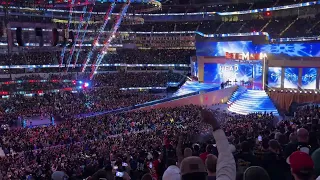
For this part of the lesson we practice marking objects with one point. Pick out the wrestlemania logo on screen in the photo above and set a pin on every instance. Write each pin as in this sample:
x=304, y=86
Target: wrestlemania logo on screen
x=246, y=56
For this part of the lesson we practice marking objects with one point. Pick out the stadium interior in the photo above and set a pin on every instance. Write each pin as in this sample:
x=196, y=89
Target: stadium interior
x=159, y=90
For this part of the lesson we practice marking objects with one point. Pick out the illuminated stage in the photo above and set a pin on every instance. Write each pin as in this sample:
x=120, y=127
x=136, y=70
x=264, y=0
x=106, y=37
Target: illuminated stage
x=290, y=66
x=243, y=101
x=236, y=73
x=259, y=65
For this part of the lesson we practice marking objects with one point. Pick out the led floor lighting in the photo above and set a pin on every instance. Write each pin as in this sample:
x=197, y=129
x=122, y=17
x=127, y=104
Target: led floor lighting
x=251, y=101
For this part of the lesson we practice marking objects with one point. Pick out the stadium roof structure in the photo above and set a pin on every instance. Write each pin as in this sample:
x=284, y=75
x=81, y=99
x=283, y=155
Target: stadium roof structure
x=64, y=5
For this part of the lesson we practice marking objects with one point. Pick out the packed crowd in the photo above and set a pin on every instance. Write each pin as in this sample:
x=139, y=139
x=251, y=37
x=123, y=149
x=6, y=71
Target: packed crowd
x=36, y=84
x=202, y=5
x=73, y=98
x=66, y=104
x=163, y=143
x=167, y=7
x=287, y=26
x=30, y=58
x=86, y=141
x=164, y=56
x=132, y=79
x=276, y=27
x=169, y=56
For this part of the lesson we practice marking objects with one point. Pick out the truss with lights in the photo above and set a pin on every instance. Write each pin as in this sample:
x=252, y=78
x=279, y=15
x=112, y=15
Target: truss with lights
x=69, y=56
x=97, y=38
x=67, y=31
x=107, y=42
x=78, y=32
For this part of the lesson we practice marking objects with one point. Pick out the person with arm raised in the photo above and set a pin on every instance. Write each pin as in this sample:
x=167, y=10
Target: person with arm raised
x=194, y=168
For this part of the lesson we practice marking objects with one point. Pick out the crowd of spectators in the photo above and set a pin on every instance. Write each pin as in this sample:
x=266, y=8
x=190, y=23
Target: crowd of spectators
x=135, y=56
x=68, y=104
x=102, y=94
x=287, y=26
x=160, y=56
x=273, y=26
x=30, y=58
x=184, y=142
x=133, y=79
x=35, y=83
x=158, y=143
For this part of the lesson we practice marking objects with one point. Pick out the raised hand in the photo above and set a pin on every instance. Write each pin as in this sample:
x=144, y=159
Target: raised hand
x=209, y=118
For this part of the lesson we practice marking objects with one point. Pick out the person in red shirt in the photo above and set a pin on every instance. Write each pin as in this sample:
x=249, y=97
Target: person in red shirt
x=204, y=155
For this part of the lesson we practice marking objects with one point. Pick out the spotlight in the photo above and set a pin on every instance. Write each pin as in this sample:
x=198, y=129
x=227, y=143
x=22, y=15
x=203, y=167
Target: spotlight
x=86, y=85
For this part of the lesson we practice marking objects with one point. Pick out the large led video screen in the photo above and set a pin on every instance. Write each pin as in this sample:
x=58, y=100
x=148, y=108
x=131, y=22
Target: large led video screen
x=217, y=73
x=274, y=77
x=309, y=78
x=291, y=77
x=209, y=48
x=212, y=48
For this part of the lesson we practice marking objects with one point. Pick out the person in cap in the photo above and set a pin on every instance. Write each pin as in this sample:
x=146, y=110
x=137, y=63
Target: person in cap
x=211, y=165
x=146, y=177
x=172, y=172
x=302, y=166
x=255, y=173
x=193, y=167
x=59, y=175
